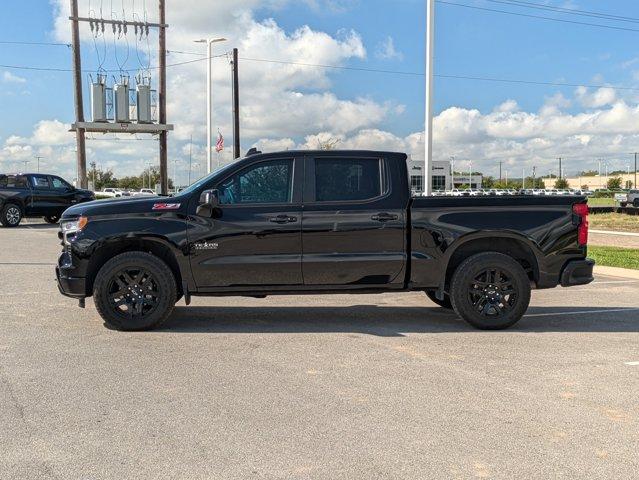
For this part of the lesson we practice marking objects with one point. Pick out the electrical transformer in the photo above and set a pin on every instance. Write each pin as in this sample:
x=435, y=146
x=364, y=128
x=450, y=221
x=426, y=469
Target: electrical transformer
x=121, y=101
x=98, y=100
x=143, y=102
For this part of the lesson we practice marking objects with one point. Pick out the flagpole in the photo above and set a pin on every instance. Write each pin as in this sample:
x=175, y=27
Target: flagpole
x=428, y=132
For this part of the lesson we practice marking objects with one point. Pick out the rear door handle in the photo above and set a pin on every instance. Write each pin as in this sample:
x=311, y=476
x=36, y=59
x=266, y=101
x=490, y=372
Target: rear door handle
x=282, y=219
x=384, y=217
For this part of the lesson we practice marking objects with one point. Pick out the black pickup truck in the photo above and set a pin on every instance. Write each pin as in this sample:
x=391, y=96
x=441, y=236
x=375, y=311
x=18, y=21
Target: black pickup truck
x=320, y=222
x=37, y=195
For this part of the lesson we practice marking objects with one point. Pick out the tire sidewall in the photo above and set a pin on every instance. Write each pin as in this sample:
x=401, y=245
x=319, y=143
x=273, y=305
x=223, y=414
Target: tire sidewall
x=162, y=275
x=5, y=212
x=473, y=266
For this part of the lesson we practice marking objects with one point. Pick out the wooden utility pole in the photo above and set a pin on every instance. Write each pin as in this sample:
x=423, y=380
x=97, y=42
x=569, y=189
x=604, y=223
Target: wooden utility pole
x=81, y=157
x=236, y=106
x=164, y=175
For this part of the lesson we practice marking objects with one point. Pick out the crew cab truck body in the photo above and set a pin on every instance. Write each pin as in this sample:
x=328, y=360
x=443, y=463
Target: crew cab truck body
x=37, y=195
x=314, y=222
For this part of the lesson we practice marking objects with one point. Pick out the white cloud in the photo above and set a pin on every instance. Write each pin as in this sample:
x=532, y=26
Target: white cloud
x=597, y=99
x=386, y=50
x=9, y=77
x=286, y=106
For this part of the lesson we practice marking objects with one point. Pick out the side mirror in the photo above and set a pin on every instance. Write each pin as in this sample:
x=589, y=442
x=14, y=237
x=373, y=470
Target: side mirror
x=209, y=201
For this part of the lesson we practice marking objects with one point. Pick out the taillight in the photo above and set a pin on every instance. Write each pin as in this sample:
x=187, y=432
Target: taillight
x=581, y=210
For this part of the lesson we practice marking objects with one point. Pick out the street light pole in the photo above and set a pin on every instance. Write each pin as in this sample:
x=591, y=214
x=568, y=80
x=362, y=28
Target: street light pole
x=428, y=132
x=209, y=107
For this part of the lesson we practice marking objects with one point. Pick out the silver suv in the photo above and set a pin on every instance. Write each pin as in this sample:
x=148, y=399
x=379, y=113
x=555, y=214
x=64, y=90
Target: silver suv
x=633, y=198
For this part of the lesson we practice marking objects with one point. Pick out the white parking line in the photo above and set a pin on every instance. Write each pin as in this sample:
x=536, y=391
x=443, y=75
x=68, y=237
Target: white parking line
x=632, y=364
x=614, y=281
x=581, y=312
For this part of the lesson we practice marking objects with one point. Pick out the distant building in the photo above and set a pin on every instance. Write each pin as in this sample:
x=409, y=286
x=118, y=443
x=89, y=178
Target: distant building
x=596, y=181
x=442, y=178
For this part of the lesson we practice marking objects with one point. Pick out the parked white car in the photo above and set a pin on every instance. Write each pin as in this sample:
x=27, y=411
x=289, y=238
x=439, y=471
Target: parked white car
x=145, y=192
x=113, y=192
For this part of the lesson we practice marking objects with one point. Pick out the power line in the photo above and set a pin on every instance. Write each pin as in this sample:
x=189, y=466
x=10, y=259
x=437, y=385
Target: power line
x=54, y=69
x=369, y=70
x=540, y=17
x=568, y=11
x=9, y=42
x=336, y=67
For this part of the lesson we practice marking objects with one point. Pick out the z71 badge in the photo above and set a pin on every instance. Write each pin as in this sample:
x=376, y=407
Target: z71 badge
x=166, y=206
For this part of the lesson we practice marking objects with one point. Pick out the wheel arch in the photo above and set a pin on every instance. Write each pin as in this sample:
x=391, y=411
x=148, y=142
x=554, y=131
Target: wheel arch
x=513, y=245
x=155, y=247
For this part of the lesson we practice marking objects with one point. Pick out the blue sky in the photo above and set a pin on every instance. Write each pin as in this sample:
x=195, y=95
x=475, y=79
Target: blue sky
x=469, y=42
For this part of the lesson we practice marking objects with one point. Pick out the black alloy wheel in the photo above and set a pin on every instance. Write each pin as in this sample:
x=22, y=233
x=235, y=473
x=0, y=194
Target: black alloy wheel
x=491, y=291
x=135, y=291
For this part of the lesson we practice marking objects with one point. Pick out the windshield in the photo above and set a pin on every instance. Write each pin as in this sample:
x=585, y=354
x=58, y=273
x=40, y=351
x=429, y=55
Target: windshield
x=204, y=180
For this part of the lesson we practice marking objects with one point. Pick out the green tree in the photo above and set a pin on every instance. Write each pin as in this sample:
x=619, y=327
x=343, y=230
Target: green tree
x=488, y=182
x=101, y=178
x=589, y=173
x=537, y=183
x=629, y=184
x=561, y=184
x=614, y=183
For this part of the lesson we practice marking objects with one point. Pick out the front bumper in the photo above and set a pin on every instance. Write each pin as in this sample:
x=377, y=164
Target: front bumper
x=578, y=272
x=70, y=286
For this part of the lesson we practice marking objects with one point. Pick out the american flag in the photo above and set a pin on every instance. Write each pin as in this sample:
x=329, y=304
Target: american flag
x=219, y=146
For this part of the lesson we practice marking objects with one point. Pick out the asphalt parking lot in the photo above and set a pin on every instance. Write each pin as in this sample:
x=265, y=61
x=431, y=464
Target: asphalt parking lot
x=340, y=387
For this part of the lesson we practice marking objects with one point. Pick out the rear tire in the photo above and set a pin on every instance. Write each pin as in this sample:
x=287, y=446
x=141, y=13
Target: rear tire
x=445, y=303
x=134, y=291
x=11, y=215
x=491, y=291
x=52, y=219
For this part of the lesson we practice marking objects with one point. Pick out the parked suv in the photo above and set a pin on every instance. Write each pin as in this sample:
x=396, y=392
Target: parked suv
x=37, y=195
x=632, y=198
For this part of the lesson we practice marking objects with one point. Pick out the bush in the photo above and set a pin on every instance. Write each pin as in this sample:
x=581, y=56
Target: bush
x=604, y=194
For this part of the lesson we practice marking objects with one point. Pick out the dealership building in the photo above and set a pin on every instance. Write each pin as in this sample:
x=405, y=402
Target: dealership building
x=442, y=178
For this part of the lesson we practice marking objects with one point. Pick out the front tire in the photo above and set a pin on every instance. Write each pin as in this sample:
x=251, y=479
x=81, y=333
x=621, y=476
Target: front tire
x=491, y=291
x=11, y=216
x=134, y=291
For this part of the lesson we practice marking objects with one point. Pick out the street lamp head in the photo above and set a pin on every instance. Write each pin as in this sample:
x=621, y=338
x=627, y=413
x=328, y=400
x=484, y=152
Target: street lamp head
x=210, y=40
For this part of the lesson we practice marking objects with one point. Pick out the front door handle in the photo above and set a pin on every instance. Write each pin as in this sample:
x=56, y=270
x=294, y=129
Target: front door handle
x=282, y=219
x=384, y=217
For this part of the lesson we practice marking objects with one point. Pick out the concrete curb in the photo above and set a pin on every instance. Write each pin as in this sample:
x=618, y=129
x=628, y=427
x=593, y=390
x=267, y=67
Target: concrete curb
x=617, y=272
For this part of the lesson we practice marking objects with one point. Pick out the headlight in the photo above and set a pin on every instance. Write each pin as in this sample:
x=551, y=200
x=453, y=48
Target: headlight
x=71, y=228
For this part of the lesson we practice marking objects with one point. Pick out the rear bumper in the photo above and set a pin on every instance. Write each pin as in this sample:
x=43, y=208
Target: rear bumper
x=578, y=272
x=73, y=287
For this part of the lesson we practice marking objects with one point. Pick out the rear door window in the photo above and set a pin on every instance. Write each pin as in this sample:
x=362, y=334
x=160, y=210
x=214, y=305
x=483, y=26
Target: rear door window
x=347, y=179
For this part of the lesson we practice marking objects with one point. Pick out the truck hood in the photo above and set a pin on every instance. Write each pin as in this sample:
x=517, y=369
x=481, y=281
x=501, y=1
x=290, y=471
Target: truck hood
x=125, y=205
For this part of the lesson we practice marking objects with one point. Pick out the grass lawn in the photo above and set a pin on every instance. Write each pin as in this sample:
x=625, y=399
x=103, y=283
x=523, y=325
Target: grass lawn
x=615, y=257
x=616, y=222
x=601, y=202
